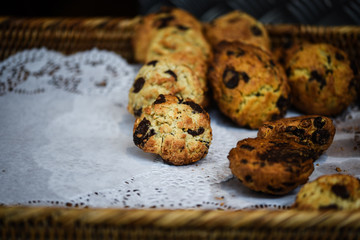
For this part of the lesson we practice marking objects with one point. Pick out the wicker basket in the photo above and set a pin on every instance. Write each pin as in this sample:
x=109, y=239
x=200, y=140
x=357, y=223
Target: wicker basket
x=77, y=34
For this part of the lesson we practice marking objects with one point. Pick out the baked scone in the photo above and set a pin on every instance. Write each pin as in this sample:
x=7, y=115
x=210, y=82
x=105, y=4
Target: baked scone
x=321, y=79
x=248, y=86
x=274, y=166
x=178, y=130
x=238, y=26
x=152, y=23
x=178, y=38
x=314, y=131
x=164, y=76
x=328, y=192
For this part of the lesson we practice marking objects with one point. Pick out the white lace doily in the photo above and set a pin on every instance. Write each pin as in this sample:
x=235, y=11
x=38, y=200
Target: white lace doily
x=66, y=140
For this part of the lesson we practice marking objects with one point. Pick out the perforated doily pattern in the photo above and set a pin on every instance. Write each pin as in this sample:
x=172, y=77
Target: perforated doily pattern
x=66, y=139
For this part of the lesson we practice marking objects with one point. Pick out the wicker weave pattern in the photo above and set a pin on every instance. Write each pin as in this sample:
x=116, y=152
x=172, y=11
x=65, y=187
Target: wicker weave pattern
x=67, y=35
x=53, y=223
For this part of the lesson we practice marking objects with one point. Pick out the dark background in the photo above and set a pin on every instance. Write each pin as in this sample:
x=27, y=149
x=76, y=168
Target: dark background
x=316, y=12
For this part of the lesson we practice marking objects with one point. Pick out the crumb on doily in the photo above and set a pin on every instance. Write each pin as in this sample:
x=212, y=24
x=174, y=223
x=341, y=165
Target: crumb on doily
x=338, y=169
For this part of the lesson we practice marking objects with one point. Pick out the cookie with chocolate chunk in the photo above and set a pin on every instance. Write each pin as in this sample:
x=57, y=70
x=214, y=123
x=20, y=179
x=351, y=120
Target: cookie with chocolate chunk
x=314, y=131
x=274, y=166
x=164, y=76
x=175, y=39
x=330, y=192
x=238, y=26
x=321, y=79
x=150, y=24
x=176, y=129
x=248, y=86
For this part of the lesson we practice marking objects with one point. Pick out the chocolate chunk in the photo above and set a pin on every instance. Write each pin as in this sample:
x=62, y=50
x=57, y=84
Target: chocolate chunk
x=153, y=63
x=172, y=74
x=317, y=77
x=354, y=68
x=320, y=137
x=141, y=134
x=272, y=64
x=160, y=99
x=238, y=53
x=230, y=53
x=182, y=27
x=231, y=77
x=138, y=84
x=137, y=112
x=339, y=56
x=268, y=126
x=247, y=147
x=163, y=22
x=244, y=161
x=282, y=104
x=340, y=191
x=329, y=59
x=248, y=178
x=288, y=71
x=329, y=207
x=319, y=123
x=196, y=107
x=256, y=30
x=296, y=131
x=194, y=133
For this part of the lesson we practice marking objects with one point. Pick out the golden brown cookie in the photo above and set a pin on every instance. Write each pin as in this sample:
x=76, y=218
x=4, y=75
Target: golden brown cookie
x=321, y=79
x=314, y=131
x=174, y=39
x=178, y=130
x=164, y=76
x=152, y=23
x=238, y=26
x=248, y=86
x=341, y=192
x=274, y=166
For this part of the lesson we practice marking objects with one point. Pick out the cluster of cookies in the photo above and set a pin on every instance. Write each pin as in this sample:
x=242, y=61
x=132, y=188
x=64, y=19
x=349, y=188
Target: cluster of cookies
x=251, y=87
x=170, y=90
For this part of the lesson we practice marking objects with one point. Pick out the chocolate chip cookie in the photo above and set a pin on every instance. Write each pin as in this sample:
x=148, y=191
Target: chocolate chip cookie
x=164, y=76
x=329, y=192
x=274, y=166
x=237, y=26
x=314, y=131
x=248, y=86
x=150, y=24
x=321, y=79
x=176, y=129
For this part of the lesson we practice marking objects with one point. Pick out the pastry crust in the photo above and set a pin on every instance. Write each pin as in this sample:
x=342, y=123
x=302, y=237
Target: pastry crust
x=274, y=166
x=314, y=131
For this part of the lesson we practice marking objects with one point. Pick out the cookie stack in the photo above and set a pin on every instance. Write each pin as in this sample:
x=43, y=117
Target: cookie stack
x=170, y=90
